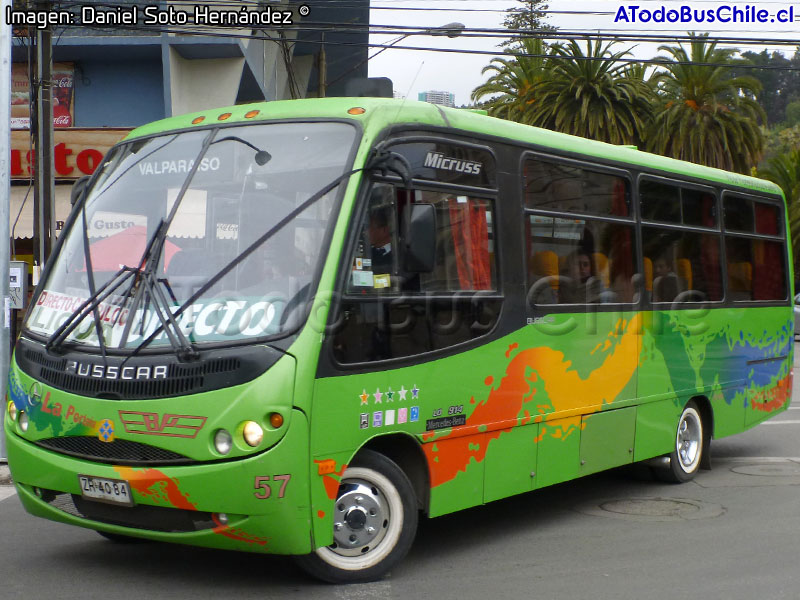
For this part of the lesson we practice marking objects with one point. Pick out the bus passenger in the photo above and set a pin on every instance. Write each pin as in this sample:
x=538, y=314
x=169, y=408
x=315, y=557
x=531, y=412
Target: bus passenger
x=665, y=282
x=582, y=285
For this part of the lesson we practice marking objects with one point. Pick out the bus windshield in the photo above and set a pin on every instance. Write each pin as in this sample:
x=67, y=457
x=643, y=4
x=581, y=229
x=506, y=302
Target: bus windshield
x=231, y=185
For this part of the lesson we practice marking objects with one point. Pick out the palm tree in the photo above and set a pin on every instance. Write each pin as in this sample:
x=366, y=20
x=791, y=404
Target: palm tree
x=593, y=95
x=513, y=80
x=706, y=116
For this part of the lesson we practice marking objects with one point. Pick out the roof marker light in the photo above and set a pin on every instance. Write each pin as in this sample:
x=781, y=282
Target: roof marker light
x=224, y=117
x=251, y=114
x=356, y=110
x=198, y=120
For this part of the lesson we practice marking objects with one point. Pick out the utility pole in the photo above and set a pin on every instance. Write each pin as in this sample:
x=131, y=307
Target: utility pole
x=43, y=184
x=5, y=195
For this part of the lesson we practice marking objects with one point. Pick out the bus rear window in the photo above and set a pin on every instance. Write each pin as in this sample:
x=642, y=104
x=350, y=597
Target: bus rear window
x=747, y=216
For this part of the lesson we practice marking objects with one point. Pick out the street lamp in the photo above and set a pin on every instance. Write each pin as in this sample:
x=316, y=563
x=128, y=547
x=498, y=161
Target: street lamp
x=451, y=30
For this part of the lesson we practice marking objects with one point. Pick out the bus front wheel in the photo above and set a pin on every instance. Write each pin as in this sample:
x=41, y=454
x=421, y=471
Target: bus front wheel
x=685, y=458
x=375, y=521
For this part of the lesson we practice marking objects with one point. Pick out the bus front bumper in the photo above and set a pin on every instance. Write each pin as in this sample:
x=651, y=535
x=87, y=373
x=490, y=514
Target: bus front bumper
x=256, y=504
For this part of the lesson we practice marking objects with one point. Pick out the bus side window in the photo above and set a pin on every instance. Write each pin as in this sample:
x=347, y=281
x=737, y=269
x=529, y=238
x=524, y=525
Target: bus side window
x=573, y=257
x=756, y=265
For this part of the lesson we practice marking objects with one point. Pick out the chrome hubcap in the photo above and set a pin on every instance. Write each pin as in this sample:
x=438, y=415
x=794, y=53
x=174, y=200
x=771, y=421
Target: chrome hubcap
x=689, y=440
x=360, y=518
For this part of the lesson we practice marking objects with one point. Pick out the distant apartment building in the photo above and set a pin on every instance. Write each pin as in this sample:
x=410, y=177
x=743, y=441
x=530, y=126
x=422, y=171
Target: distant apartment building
x=437, y=97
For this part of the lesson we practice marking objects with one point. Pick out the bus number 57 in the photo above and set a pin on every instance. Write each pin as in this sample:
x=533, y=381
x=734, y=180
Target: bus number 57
x=264, y=489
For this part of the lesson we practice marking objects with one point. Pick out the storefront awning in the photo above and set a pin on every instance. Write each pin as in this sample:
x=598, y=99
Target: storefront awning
x=23, y=208
x=190, y=221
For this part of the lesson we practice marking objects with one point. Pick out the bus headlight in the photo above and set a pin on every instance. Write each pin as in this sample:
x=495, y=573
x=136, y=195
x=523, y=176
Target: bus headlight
x=252, y=433
x=11, y=409
x=23, y=421
x=223, y=442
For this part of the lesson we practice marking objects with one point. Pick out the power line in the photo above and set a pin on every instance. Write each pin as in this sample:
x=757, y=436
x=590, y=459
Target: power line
x=341, y=28
x=479, y=33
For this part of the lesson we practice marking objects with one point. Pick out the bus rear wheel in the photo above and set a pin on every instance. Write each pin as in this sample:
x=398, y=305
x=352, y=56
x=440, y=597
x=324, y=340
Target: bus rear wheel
x=685, y=458
x=375, y=521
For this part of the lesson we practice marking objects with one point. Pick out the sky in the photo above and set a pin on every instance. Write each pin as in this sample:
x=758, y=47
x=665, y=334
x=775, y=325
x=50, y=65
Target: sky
x=459, y=73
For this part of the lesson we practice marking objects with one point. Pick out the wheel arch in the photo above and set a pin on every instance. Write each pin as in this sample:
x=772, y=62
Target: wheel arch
x=406, y=452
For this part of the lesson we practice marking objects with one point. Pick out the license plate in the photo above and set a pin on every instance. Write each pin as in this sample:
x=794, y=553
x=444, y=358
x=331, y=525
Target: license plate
x=100, y=489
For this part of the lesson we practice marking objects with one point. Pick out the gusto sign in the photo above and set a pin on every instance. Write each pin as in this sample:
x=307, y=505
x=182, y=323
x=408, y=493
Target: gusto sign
x=76, y=152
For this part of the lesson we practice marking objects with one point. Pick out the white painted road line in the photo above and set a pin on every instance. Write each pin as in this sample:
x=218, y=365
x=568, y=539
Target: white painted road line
x=787, y=422
x=6, y=491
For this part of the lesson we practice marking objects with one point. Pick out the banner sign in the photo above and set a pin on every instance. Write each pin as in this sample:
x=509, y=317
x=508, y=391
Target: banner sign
x=63, y=114
x=218, y=320
x=76, y=152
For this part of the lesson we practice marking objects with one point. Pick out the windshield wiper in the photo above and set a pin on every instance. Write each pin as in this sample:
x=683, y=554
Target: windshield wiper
x=381, y=159
x=94, y=300
x=88, y=307
x=148, y=264
x=249, y=250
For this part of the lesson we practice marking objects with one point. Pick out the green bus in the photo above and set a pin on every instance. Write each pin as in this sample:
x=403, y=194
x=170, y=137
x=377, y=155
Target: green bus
x=295, y=327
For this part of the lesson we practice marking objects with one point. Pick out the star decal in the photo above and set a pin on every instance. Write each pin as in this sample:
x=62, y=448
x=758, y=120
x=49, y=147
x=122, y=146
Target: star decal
x=378, y=395
x=402, y=391
x=390, y=395
x=364, y=397
x=414, y=392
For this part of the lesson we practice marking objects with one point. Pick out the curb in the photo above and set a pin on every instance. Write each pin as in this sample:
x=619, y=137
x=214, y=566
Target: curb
x=5, y=475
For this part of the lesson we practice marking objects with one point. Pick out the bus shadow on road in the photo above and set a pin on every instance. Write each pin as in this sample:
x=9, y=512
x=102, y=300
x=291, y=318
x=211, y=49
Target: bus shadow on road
x=507, y=523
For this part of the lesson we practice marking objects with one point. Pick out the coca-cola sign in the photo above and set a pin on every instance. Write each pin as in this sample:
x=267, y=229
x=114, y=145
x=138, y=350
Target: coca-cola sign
x=63, y=78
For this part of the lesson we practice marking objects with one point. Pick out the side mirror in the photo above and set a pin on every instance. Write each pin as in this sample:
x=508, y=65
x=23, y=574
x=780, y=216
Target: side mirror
x=78, y=188
x=419, y=239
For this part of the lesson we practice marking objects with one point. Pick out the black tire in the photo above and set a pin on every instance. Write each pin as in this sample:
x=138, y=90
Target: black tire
x=118, y=538
x=375, y=521
x=685, y=458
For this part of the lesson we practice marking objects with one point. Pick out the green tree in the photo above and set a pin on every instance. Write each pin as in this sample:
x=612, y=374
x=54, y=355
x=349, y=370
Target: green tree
x=706, y=115
x=793, y=113
x=528, y=16
x=512, y=81
x=780, y=84
x=592, y=95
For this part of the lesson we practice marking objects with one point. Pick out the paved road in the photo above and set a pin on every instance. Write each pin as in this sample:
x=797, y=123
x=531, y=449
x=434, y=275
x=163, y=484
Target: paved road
x=732, y=533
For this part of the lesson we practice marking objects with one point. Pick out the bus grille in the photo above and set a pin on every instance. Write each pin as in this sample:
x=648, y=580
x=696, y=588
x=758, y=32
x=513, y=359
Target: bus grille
x=152, y=518
x=181, y=379
x=95, y=376
x=116, y=452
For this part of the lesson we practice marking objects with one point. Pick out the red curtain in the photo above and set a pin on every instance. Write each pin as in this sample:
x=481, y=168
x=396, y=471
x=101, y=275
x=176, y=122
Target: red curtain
x=768, y=268
x=621, y=251
x=709, y=251
x=470, y=235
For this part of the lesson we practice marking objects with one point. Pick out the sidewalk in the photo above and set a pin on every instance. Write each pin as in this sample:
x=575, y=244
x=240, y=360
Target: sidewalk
x=5, y=475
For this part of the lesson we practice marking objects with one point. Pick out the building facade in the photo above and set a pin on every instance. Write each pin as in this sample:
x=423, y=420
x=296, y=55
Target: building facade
x=108, y=80
x=437, y=97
